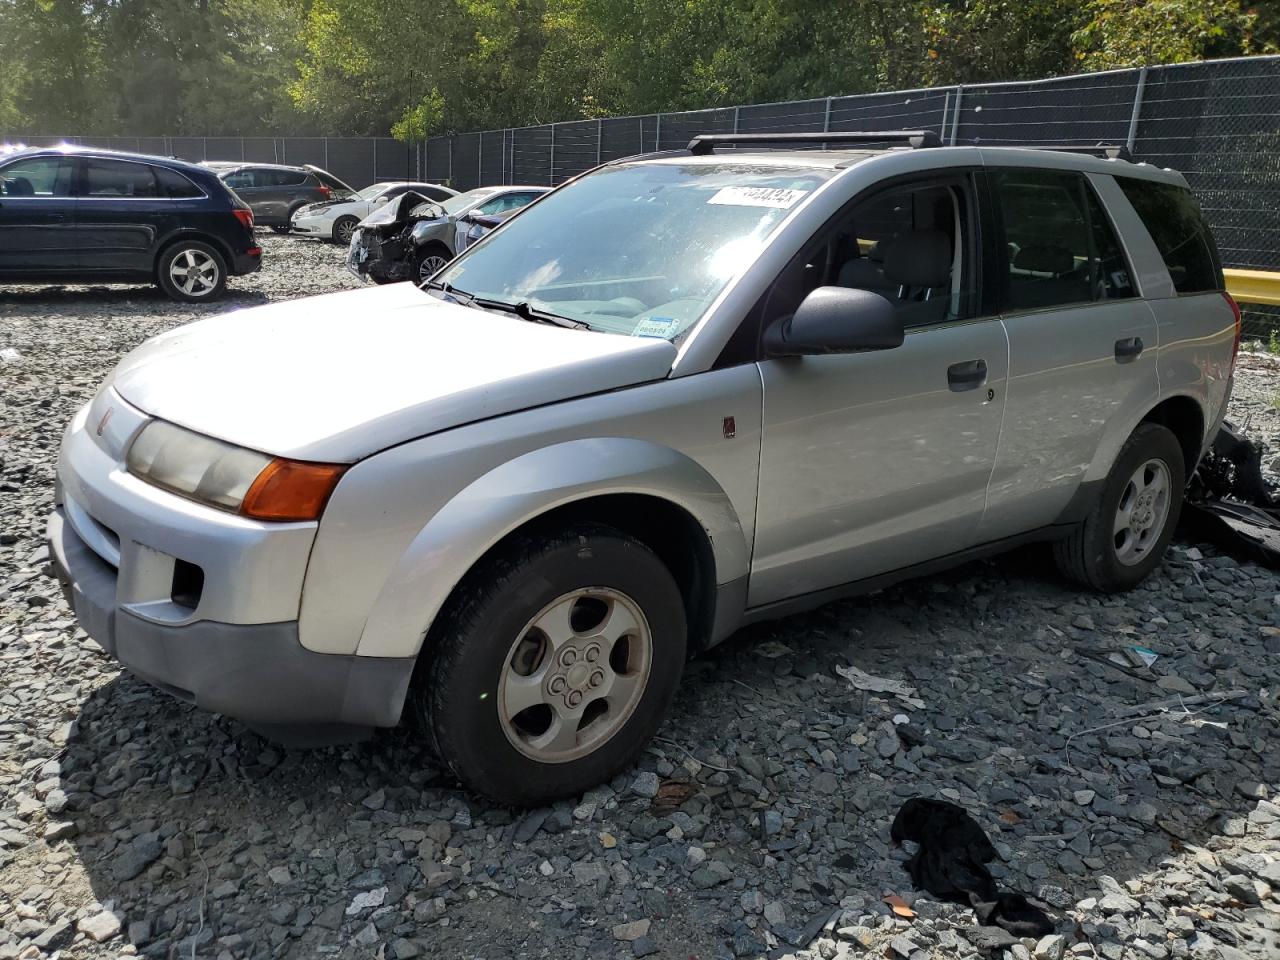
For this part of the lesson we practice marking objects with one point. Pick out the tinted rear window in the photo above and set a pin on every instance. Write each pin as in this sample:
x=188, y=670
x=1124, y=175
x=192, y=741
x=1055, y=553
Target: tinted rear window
x=1174, y=220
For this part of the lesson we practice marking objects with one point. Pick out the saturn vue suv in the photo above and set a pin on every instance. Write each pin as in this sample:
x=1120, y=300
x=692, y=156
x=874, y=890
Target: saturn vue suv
x=677, y=395
x=79, y=215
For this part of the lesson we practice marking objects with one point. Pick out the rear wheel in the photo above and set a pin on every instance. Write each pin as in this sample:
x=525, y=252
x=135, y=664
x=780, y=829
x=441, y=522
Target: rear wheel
x=343, y=229
x=553, y=665
x=192, y=271
x=1125, y=535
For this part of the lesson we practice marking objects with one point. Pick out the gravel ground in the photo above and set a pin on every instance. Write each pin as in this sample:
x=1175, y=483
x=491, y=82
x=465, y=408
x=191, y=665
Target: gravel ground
x=1138, y=803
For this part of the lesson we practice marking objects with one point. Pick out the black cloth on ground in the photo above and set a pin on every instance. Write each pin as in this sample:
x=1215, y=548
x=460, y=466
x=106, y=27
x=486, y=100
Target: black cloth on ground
x=950, y=863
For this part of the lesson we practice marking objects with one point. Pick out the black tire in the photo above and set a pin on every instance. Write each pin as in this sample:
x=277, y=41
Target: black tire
x=189, y=255
x=456, y=693
x=343, y=228
x=1090, y=555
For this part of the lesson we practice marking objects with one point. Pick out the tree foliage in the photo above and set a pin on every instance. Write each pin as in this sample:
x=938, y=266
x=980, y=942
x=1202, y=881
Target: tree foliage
x=416, y=67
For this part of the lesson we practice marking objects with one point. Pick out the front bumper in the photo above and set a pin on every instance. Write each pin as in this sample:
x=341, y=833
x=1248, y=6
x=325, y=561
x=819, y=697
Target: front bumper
x=126, y=553
x=311, y=227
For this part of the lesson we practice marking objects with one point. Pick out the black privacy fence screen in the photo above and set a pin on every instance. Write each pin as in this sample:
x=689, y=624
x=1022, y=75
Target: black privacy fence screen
x=1217, y=122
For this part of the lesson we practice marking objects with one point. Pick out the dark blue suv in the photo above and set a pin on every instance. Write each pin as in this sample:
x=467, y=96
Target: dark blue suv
x=97, y=216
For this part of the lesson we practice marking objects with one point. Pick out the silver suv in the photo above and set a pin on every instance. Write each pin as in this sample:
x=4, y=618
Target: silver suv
x=677, y=395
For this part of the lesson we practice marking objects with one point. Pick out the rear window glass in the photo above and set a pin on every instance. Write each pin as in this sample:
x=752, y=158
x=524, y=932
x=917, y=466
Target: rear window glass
x=1177, y=226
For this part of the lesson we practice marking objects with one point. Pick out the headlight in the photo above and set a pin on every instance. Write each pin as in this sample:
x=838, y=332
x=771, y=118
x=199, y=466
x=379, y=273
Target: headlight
x=228, y=477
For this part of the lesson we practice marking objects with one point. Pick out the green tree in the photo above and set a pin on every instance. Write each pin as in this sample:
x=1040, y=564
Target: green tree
x=1129, y=33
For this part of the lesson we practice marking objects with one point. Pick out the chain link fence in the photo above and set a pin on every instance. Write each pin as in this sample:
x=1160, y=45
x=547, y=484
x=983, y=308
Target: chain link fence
x=1216, y=122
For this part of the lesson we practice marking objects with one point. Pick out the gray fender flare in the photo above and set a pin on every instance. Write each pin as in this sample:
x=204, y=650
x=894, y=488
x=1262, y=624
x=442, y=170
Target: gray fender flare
x=520, y=490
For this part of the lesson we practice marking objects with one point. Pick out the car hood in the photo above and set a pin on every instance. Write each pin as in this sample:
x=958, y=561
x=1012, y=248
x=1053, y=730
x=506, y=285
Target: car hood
x=338, y=377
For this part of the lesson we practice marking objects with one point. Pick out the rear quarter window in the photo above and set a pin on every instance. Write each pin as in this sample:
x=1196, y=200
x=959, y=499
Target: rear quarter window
x=175, y=185
x=1173, y=218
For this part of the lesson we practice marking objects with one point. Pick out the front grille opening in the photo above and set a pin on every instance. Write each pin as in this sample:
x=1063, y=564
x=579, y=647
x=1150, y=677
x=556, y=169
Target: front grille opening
x=188, y=584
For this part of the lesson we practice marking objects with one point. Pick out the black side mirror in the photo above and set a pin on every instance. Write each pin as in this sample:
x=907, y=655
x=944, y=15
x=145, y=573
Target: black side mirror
x=836, y=320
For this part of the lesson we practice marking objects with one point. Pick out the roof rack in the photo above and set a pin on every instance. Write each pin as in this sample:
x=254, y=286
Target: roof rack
x=1111, y=151
x=707, y=142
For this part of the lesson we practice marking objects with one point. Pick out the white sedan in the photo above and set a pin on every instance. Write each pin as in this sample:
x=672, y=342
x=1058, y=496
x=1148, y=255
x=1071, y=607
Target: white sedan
x=336, y=219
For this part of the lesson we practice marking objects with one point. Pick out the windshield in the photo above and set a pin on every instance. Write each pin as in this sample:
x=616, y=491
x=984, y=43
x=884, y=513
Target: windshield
x=368, y=193
x=641, y=249
x=455, y=205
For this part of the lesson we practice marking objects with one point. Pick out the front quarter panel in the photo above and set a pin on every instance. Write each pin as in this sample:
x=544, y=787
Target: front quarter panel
x=404, y=526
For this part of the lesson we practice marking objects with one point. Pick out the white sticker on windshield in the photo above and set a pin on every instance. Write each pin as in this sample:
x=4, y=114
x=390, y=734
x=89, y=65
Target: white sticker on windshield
x=779, y=197
x=660, y=327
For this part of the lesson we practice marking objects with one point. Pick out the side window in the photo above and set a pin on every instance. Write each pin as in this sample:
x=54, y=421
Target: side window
x=287, y=178
x=1060, y=247
x=118, y=178
x=37, y=177
x=911, y=244
x=495, y=205
x=1177, y=226
x=241, y=179
x=175, y=185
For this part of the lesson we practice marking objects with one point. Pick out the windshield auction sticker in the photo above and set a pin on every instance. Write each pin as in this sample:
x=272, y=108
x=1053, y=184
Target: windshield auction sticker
x=780, y=197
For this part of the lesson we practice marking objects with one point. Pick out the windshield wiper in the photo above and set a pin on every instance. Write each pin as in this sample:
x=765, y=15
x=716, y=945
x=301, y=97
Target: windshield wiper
x=526, y=311
x=449, y=290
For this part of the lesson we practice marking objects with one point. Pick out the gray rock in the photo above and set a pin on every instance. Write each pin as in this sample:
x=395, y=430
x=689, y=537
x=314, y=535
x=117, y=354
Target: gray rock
x=136, y=857
x=100, y=927
x=646, y=784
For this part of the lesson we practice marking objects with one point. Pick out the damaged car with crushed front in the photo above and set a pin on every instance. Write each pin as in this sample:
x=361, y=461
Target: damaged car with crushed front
x=680, y=394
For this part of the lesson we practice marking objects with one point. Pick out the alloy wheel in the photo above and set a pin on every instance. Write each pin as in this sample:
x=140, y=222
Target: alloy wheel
x=575, y=674
x=194, y=272
x=429, y=265
x=1142, y=512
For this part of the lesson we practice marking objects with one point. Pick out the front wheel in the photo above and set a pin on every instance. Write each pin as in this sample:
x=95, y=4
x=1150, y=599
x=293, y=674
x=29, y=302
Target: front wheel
x=1125, y=535
x=344, y=229
x=430, y=262
x=192, y=272
x=553, y=665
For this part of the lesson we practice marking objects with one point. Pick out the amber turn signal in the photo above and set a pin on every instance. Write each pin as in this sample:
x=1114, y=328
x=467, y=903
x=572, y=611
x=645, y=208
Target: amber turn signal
x=291, y=490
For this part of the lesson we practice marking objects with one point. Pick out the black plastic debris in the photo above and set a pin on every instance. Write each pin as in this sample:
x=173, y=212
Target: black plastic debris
x=1231, y=504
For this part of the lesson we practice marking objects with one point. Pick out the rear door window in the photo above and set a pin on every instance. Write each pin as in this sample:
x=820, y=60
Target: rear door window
x=37, y=177
x=286, y=178
x=245, y=179
x=120, y=179
x=1059, y=245
x=1173, y=218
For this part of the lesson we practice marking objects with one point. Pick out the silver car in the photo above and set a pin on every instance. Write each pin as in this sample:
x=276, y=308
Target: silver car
x=678, y=395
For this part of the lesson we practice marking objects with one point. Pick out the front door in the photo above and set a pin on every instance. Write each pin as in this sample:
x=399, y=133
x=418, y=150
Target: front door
x=874, y=462
x=1082, y=344
x=37, y=217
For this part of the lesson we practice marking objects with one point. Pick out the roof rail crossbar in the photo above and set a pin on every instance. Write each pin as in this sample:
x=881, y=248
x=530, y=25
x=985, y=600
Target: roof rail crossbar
x=707, y=142
x=1111, y=151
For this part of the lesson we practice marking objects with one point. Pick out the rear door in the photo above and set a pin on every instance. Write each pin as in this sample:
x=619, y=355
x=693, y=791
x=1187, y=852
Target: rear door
x=37, y=216
x=1082, y=344
x=123, y=209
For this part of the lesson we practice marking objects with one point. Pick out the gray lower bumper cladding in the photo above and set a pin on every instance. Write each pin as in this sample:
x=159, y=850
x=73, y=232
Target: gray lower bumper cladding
x=257, y=673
